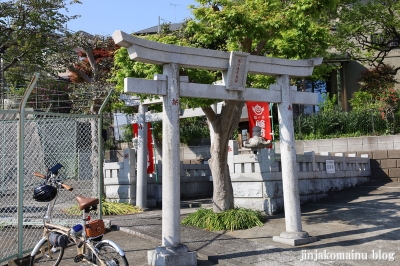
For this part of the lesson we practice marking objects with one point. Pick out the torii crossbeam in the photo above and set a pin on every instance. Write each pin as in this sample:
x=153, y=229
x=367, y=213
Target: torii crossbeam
x=235, y=66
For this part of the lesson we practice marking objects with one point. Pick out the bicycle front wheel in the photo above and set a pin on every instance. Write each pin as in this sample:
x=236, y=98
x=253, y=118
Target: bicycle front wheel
x=110, y=255
x=47, y=255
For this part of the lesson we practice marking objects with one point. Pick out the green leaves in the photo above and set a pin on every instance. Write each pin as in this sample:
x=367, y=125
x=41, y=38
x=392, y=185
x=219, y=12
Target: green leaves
x=28, y=27
x=118, y=208
x=288, y=29
x=235, y=219
x=109, y=208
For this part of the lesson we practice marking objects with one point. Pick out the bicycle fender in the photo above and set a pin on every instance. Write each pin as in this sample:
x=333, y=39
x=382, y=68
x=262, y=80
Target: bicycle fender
x=117, y=248
x=38, y=245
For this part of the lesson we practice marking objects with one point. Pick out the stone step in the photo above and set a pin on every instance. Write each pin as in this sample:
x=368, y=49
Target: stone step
x=196, y=203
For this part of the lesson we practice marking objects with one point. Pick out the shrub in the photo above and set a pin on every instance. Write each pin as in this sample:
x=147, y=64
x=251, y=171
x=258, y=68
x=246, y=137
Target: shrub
x=235, y=219
x=109, y=208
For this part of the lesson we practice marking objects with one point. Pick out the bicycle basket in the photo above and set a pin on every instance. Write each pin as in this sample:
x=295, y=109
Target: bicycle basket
x=44, y=193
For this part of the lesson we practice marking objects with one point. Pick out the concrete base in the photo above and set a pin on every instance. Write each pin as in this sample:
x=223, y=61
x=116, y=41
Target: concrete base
x=172, y=256
x=294, y=238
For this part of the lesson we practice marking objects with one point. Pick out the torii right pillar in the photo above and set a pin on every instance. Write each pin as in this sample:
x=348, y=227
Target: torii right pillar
x=294, y=234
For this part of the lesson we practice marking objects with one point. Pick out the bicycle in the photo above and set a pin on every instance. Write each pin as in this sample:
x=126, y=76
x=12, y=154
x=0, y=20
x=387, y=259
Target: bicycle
x=87, y=237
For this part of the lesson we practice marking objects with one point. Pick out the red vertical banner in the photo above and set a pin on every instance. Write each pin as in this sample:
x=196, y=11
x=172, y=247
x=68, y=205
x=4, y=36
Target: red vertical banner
x=259, y=115
x=150, y=153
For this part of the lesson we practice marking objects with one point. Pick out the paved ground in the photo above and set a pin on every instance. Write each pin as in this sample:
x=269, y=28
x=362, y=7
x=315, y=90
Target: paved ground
x=359, y=226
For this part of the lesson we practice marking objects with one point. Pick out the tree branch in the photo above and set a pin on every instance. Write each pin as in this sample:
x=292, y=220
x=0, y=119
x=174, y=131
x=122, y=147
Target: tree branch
x=81, y=74
x=209, y=112
x=259, y=47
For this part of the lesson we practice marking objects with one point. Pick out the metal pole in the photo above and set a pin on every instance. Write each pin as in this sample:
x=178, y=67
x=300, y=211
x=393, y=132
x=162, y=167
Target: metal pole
x=2, y=81
x=100, y=151
x=20, y=165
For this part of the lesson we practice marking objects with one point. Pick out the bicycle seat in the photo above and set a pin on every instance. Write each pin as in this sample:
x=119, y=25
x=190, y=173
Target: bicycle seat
x=84, y=203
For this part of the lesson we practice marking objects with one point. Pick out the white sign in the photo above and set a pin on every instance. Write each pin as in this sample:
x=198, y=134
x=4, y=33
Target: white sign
x=330, y=166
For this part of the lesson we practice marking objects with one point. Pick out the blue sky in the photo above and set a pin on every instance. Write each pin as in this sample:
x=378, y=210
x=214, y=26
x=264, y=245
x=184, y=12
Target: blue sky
x=105, y=16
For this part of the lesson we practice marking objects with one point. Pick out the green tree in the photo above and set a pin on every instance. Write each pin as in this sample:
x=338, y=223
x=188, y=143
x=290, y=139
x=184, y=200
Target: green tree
x=377, y=80
x=30, y=30
x=377, y=86
x=369, y=31
x=286, y=29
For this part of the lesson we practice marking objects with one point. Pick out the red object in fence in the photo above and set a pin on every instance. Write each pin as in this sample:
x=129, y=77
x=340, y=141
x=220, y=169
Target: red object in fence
x=150, y=153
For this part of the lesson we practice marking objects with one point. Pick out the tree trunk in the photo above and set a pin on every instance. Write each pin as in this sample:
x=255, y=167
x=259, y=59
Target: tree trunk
x=223, y=126
x=222, y=186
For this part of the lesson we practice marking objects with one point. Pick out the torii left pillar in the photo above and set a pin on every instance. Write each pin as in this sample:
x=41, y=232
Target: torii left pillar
x=171, y=252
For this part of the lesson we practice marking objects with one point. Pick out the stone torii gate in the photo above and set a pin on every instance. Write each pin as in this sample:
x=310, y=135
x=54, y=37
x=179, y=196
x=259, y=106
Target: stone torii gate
x=235, y=66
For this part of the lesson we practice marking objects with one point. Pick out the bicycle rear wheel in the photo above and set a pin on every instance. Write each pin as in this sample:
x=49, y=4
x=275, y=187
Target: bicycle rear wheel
x=47, y=255
x=110, y=255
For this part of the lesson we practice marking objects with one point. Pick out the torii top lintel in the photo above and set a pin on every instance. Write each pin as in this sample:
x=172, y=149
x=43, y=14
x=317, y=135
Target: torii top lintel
x=159, y=53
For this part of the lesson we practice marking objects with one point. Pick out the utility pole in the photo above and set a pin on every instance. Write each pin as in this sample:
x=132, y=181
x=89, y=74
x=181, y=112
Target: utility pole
x=159, y=24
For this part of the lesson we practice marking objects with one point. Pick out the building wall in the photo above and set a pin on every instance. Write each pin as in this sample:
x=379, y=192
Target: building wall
x=351, y=73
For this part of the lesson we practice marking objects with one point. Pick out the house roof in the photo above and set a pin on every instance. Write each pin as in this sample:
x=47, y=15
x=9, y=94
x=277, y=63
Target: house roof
x=154, y=29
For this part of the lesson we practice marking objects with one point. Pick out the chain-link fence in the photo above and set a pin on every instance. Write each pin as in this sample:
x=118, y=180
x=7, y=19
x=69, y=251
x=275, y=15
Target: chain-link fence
x=48, y=138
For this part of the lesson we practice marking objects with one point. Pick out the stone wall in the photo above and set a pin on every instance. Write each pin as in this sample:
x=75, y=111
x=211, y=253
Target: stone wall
x=195, y=181
x=257, y=178
x=120, y=178
x=382, y=150
x=385, y=165
x=347, y=145
x=120, y=181
x=344, y=145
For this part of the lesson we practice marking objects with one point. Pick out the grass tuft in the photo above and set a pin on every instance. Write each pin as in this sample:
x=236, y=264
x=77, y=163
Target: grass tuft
x=235, y=219
x=109, y=208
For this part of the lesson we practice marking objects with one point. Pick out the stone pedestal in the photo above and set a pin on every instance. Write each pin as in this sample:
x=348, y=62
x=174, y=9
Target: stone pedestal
x=172, y=256
x=294, y=238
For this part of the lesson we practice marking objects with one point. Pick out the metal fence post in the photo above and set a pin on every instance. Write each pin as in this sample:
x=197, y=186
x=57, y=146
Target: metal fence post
x=100, y=147
x=20, y=164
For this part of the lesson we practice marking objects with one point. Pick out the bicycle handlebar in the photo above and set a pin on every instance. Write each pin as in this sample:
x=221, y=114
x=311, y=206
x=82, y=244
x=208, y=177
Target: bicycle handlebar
x=65, y=186
x=39, y=175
